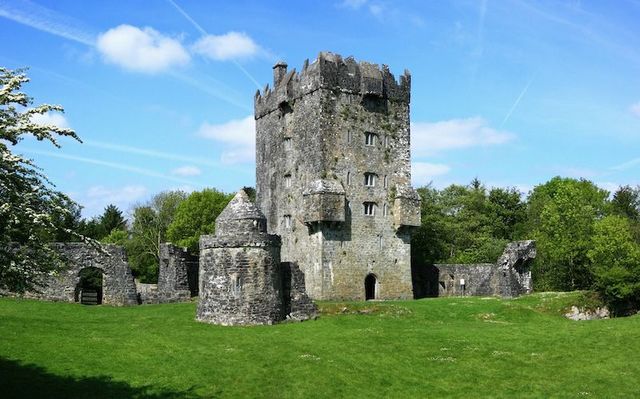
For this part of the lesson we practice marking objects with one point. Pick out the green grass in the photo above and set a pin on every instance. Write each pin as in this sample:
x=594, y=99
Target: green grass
x=445, y=347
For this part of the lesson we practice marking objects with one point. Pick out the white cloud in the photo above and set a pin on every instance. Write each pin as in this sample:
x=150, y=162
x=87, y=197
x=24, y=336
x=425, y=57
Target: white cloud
x=237, y=136
x=230, y=46
x=141, y=50
x=50, y=118
x=187, y=171
x=428, y=138
x=423, y=172
x=635, y=109
x=97, y=198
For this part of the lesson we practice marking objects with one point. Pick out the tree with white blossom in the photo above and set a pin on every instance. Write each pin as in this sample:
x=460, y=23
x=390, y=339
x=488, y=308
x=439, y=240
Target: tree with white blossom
x=30, y=207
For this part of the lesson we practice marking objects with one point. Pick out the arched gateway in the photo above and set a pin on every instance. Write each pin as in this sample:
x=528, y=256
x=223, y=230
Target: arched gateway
x=370, y=287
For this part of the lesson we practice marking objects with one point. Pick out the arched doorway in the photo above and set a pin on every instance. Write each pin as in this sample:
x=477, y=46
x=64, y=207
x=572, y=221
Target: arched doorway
x=89, y=287
x=370, y=287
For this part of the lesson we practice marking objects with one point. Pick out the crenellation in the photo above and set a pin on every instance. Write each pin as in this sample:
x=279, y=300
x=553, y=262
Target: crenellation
x=331, y=72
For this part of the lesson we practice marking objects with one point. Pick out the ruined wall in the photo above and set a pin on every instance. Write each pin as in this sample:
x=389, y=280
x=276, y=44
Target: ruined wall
x=118, y=287
x=177, y=273
x=509, y=277
x=312, y=154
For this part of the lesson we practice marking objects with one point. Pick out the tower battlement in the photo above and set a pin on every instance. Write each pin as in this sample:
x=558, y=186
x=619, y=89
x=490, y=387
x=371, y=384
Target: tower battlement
x=332, y=72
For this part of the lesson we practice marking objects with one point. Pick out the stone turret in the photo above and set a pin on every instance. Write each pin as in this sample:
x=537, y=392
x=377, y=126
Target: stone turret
x=240, y=275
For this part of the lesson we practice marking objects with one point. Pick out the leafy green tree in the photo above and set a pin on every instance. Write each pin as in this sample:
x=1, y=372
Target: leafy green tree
x=469, y=225
x=561, y=216
x=626, y=202
x=30, y=208
x=428, y=242
x=507, y=213
x=195, y=216
x=615, y=263
x=149, y=230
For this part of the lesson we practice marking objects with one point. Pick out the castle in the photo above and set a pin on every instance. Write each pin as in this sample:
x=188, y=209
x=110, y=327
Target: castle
x=332, y=219
x=333, y=176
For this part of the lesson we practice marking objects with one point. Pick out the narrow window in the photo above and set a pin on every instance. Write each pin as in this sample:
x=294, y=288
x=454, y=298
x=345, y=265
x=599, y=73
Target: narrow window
x=369, y=208
x=370, y=139
x=385, y=210
x=348, y=209
x=348, y=177
x=370, y=179
x=287, y=221
x=349, y=137
x=287, y=143
x=287, y=181
x=386, y=141
x=386, y=181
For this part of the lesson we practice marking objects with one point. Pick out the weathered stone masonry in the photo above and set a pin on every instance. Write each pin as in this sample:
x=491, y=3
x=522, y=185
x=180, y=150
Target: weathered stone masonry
x=509, y=277
x=334, y=176
x=118, y=286
x=241, y=279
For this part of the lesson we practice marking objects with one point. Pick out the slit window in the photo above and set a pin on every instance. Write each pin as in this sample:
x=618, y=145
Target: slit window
x=287, y=181
x=370, y=139
x=385, y=210
x=370, y=179
x=287, y=143
x=348, y=177
x=287, y=221
x=386, y=181
x=349, y=136
x=369, y=208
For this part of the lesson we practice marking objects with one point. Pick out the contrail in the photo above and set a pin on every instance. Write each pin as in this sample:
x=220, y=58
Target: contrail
x=49, y=21
x=133, y=169
x=46, y=20
x=626, y=165
x=515, y=104
x=149, y=153
x=204, y=33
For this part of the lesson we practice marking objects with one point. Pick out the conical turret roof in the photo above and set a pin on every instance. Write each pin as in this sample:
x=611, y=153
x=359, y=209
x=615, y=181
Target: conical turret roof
x=241, y=207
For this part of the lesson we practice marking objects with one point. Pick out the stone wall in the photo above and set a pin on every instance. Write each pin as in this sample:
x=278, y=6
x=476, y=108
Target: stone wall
x=510, y=276
x=318, y=133
x=118, y=287
x=177, y=273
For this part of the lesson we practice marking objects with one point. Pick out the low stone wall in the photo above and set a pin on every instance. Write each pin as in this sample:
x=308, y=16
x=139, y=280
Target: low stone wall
x=510, y=276
x=118, y=287
x=479, y=279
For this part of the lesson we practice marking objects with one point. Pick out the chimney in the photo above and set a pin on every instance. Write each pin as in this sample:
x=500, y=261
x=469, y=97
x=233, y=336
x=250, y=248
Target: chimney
x=279, y=70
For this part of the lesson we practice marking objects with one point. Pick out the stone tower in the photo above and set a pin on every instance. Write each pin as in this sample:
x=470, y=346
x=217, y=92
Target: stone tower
x=334, y=176
x=240, y=276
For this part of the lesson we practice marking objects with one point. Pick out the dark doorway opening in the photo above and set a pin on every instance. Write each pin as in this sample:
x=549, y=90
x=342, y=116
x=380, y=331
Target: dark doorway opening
x=89, y=287
x=370, y=287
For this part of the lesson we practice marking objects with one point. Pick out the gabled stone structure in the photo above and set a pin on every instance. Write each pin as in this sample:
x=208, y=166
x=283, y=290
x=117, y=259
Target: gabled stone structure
x=241, y=278
x=334, y=176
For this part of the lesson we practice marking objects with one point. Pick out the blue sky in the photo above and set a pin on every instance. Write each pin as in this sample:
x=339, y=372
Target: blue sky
x=513, y=92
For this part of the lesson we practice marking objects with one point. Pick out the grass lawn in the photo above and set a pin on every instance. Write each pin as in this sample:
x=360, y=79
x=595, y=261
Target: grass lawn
x=443, y=347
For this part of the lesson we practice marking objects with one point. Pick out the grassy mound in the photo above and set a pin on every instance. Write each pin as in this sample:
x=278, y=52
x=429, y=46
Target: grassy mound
x=445, y=347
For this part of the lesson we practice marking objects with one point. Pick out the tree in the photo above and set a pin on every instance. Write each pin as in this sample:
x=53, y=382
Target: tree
x=196, y=216
x=561, y=216
x=30, y=208
x=112, y=219
x=149, y=230
x=615, y=263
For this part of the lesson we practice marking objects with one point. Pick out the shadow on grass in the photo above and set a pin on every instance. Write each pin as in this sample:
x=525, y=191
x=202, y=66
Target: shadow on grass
x=30, y=381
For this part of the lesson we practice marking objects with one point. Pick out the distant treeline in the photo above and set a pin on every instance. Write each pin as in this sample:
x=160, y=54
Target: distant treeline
x=586, y=238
